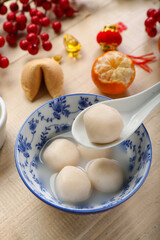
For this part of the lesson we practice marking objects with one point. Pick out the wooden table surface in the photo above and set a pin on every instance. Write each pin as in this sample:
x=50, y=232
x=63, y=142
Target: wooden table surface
x=25, y=217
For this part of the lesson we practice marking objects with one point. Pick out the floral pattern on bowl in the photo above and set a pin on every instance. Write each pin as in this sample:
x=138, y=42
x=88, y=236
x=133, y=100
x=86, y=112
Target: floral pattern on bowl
x=56, y=117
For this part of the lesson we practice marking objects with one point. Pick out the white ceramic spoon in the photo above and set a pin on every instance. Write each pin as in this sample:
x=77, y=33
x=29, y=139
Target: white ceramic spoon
x=133, y=109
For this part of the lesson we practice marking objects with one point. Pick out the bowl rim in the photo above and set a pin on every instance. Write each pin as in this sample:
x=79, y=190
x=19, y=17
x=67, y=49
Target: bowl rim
x=64, y=208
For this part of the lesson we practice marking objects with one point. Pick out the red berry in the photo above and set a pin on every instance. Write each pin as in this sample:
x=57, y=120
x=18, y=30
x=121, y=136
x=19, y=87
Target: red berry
x=47, y=45
x=150, y=22
x=26, y=7
x=24, y=1
x=152, y=32
x=4, y=62
x=39, y=2
x=11, y=16
x=32, y=27
x=40, y=14
x=24, y=44
x=58, y=12
x=35, y=19
x=21, y=26
x=38, y=41
x=47, y=5
x=32, y=37
x=70, y=12
x=33, y=49
x=33, y=12
x=44, y=36
x=14, y=7
x=3, y=9
x=150, y=12
x=21, y=18
x=14, y=30
x=2, y=41
x=45, y=21
x=64, y=4
x=156, y=15
x=11, y=39
x=8, y=26
x=56, y=26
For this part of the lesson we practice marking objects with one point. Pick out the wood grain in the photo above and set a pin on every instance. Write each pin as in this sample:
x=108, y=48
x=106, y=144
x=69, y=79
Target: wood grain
x=22, y=215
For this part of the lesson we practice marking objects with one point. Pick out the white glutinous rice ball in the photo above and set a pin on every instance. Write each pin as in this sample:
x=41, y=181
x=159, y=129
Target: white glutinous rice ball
x=90, y=153
x=60, y=153
x=73, y=185
x=106, y=175
x=103, y=123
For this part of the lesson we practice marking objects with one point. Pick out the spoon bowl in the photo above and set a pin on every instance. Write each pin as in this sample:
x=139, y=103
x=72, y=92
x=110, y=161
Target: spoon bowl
x=133, y=110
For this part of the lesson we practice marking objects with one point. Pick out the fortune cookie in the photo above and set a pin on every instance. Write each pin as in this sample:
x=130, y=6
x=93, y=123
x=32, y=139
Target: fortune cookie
x=36, y=70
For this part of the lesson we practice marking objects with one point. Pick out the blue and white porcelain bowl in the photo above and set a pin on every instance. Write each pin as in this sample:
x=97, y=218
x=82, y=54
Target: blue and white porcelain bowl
x=56, y=117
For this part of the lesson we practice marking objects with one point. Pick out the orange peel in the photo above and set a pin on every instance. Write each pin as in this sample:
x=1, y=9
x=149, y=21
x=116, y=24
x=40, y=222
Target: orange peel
x=113, y=72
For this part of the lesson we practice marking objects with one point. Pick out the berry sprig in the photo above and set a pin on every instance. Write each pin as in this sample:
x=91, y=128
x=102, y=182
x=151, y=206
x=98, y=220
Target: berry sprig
x=26, y=16
x=4, y=62
x=153, y=17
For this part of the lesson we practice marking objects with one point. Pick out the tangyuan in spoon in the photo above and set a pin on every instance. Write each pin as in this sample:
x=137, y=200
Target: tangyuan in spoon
x=133, y=110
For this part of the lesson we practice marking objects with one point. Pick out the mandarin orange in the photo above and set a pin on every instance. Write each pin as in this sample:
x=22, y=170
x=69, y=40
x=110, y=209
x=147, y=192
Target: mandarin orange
x=113, y=72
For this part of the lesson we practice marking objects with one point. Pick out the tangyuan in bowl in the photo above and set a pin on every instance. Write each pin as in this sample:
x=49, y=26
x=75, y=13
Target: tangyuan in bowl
x=56, y=117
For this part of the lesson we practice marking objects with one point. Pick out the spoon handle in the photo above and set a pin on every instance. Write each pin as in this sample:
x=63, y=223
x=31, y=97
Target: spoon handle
x=137, y=107
x=143, y=111
x=136, y=101
x=148, y=94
